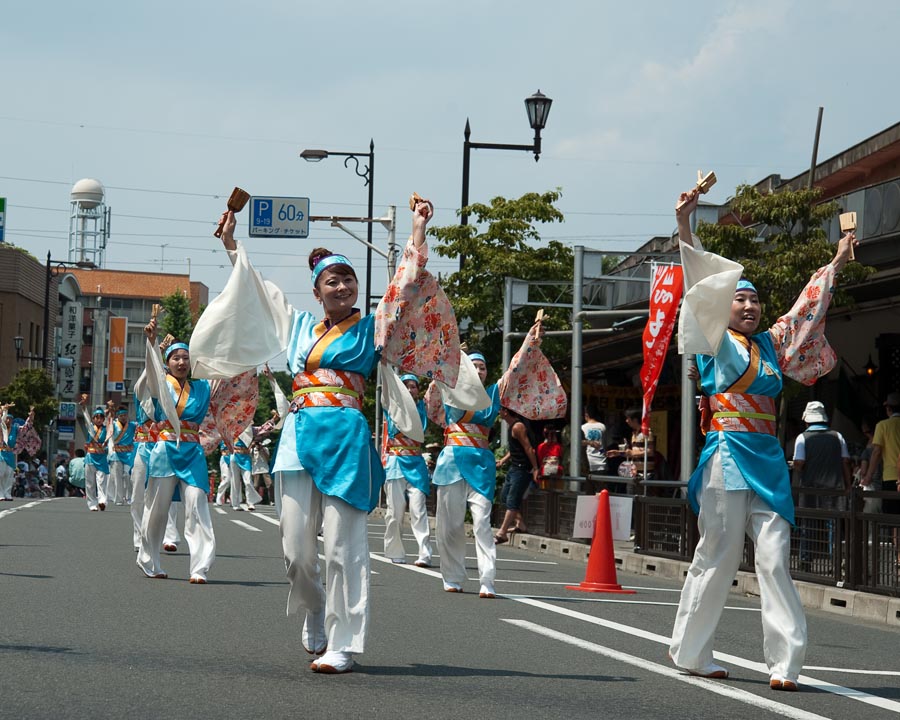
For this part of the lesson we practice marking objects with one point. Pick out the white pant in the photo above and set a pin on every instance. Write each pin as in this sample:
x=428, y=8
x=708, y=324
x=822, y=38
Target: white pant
x=395, y=492
x=724, y=518
x=118, y=477
x=450, y=532
x=345, y=598
x=224, y=481
x=138, y=476
x=240, y=476
x=7, y=478
x=198, y=529
x=94, y=486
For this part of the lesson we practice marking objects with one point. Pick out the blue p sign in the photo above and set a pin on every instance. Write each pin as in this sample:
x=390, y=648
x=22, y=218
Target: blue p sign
x=262, y=212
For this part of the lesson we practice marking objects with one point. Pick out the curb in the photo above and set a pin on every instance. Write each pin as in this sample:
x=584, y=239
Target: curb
x=839, y=601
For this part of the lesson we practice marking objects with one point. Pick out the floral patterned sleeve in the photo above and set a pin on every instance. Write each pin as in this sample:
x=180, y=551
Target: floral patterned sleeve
x=415, y=326
x=530, y=386
x=232, y=404
x=434, y=406
x=799, y=336
x=28, y=441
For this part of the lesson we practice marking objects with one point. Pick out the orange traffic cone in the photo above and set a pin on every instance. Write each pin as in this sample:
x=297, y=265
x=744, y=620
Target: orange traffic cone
x=601, y=567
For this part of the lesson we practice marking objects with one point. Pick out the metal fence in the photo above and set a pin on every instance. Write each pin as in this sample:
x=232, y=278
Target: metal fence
x=846, y=547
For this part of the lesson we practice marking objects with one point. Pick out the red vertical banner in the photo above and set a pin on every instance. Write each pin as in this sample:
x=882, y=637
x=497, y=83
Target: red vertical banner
x=665, y=294
x=115, y=379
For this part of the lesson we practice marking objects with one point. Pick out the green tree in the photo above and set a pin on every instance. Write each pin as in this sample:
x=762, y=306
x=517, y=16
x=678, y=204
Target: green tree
x=32, y=388
x=177, y=320
x=795, y=244
x=503, y=241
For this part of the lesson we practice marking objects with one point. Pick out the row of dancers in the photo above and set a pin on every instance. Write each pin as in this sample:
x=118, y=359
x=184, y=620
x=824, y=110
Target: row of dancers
x=329, y=474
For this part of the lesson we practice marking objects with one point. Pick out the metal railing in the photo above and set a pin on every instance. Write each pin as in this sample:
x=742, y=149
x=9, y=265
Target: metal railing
x=846, y=547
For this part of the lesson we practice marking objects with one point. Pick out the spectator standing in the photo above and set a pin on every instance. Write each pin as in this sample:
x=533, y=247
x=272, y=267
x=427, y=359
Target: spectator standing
x=62, y=477
x=886, y=449
x=870, y=505
x=594, y=441
x=821, y=461
x=550, y=459
x=523, y=470
x=886, y=444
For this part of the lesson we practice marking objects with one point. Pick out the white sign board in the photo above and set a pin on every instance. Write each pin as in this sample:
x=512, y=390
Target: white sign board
x=70, y=347
x=619, y=516
x=279, y=217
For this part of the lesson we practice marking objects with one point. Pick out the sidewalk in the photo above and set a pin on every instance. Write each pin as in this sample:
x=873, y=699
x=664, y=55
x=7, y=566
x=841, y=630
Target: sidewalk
x=847, y=603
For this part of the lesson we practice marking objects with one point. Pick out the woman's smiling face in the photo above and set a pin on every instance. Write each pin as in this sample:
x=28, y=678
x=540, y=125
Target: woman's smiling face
x=745, y=312
x=338, y=290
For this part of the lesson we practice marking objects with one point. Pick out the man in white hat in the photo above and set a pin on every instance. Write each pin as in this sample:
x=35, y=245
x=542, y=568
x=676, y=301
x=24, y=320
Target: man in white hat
x=821, y=461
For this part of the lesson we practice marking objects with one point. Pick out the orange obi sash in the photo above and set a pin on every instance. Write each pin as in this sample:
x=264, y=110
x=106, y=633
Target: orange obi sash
x=402, y=445
x=190, y=432
x=146, y=433
x=742, y=412
x=95, y=448
x=123, y=448
x=328, y=388
x=466, y=435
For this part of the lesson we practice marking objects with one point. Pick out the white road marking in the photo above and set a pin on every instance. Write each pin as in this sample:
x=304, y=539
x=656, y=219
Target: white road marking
x=33, y=503
x=613, y=601
x=672, y=673
x=241, y=523
x=759, y=667
x=268, y=519
x=822, y=668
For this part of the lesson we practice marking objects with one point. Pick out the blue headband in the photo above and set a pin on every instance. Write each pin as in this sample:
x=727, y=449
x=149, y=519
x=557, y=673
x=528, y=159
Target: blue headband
x=745, y=285
x=98, y=411
x=328, y=261
x=121, y=412
x=409, y=376
x=176, y=346
x=477, y=356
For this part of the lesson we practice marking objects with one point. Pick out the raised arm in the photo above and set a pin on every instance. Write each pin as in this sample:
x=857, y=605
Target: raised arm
x=687, y=203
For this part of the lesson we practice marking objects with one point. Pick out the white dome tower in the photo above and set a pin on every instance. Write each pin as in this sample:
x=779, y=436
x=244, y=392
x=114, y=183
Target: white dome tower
x=88, y=222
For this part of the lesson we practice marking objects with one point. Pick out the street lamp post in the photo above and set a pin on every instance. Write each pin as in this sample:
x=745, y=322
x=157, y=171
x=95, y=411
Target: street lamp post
x=367, y=174
x=538, y=107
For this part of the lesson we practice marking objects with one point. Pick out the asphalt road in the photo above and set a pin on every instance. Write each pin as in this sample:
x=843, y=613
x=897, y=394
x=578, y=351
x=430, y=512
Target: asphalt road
x=83, y=634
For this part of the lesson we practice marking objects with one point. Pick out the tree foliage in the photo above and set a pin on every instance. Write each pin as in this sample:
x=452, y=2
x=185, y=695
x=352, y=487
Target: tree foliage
x=502, y=241
x=32, y=388
x=794, y=245
x=177, y=320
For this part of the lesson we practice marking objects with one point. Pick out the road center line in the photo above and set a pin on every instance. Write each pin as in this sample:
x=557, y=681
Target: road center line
x=710, y=685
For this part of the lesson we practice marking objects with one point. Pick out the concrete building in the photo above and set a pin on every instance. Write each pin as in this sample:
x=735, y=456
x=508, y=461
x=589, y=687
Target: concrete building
x=23, y=288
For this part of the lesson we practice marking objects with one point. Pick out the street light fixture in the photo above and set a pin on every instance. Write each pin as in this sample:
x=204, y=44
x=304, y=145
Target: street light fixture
x=538, y=108
x=367, y=174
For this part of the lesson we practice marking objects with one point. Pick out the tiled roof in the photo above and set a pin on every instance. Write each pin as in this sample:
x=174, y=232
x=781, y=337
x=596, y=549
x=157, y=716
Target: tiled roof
x=127, y=284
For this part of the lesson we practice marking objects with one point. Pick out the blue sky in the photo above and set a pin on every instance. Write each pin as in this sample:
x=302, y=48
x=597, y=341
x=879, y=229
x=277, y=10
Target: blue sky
x=170, y=105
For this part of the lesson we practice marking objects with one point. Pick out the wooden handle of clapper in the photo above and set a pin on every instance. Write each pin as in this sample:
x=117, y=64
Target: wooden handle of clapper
x=236, y=203
x=704, y=183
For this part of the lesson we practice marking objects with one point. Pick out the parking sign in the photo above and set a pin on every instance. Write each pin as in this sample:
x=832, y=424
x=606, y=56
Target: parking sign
x=279, y=217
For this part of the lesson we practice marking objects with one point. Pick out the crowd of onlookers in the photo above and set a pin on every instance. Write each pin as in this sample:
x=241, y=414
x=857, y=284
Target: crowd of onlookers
x=33, y=479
